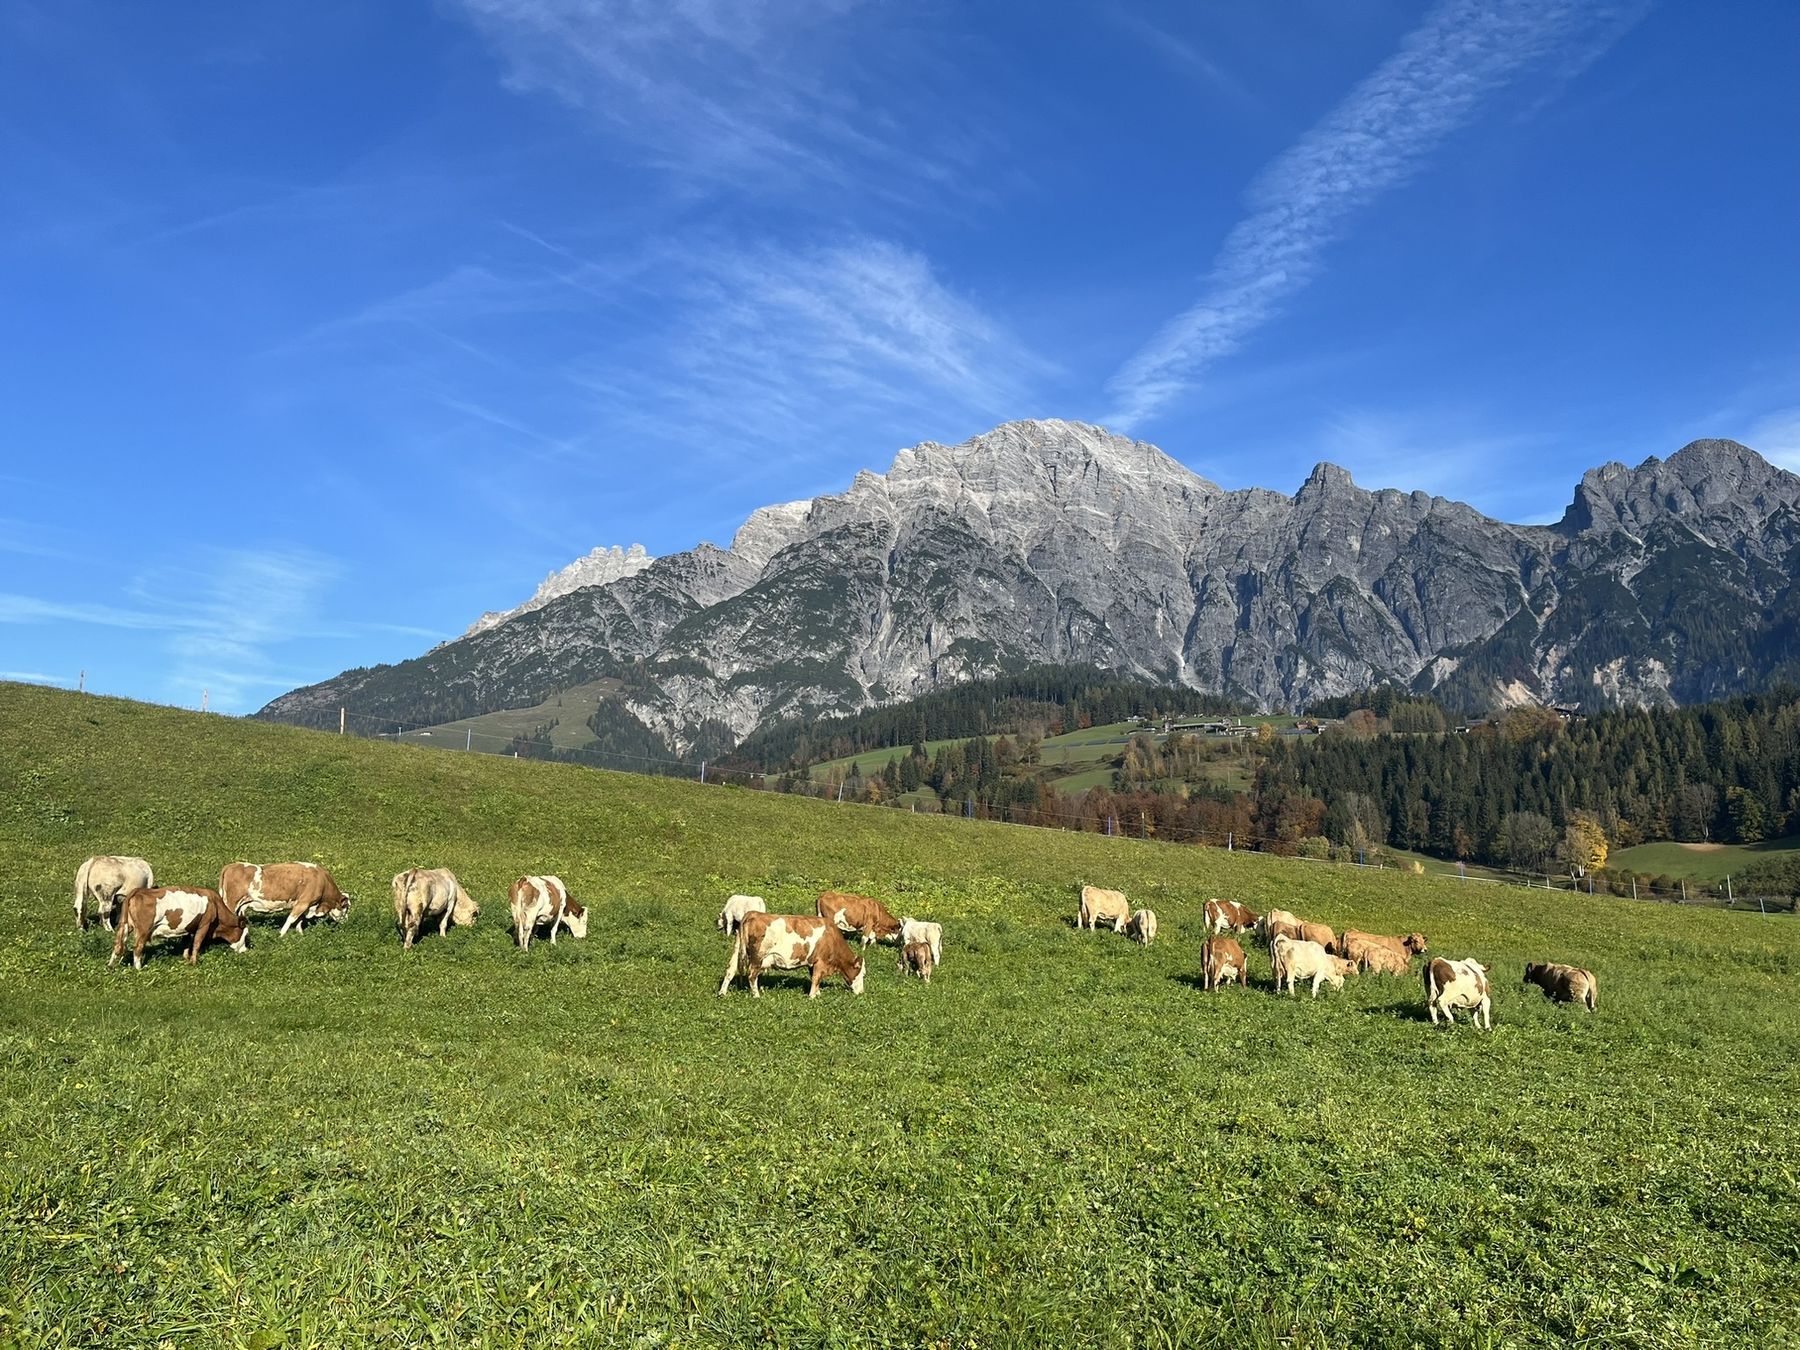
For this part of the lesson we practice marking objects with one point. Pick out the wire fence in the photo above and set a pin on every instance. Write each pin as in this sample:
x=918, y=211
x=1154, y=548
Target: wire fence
x=447, y=737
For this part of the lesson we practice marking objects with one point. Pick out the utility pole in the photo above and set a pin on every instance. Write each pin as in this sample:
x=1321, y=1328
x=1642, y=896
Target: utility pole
x=1728, y=895
x=702, y=771
x=81, y=684
x=468, y=738
x=205, y=694
x=340, y=721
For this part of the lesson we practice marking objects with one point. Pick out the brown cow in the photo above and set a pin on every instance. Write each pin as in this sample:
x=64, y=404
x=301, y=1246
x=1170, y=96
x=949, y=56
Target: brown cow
x=1354, y=942
x=1383, y=961
x=1564, y=984
x=1222, y=959
x=859, y=914
x=191, y=912
x=298, y=890
x=1228, y=916
x=915, y=959
x=1320, y=933
x=1278, y=923
x=786, y=941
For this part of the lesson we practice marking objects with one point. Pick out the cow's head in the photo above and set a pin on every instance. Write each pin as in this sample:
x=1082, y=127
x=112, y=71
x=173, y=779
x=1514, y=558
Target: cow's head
x=1345, y=966
x=1533, y=969
x=575, y=919
x=1414, y=943
x=463, y=910
x=242, y=944
x=340, y=911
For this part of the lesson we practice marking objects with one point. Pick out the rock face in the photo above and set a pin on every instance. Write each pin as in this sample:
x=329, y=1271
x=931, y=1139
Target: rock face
x=598, y=568
x=1057, y=542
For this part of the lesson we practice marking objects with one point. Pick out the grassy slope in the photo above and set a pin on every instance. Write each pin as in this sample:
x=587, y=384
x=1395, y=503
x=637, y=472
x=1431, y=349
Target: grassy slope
x=1702, y=864
x=1061, y=1141
x=566, y=713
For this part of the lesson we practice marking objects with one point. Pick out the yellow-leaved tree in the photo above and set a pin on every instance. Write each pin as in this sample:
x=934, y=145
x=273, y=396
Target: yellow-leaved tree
x=1584, y=844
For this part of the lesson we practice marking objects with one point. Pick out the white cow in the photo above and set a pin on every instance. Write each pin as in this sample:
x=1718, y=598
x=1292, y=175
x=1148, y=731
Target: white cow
x=1291, y=960
x=106, y=880
x=1142, y=926
x=430, y=893
x=1450, y=985
x=931, y=934
x=737, y=909
x=1099, y=905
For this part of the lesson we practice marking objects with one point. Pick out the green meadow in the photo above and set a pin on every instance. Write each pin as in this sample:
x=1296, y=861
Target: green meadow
x=1062, y=1141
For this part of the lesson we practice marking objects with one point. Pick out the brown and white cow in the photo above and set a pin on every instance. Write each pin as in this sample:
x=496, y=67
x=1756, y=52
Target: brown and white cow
x=859, y=914
x=539, y=902
x=1382, y=961
x=107, y=880
x=1099, y=905
x=787, y=942
x=1294, y=960
x=921, y=930
x=737, y=908
x=1228, y=916
x=422, y=893
x=297, y=890
x=1278, y=923
x=1221, y=960
x=916, y=959
x=1564, y=984
x=192, y=912
x=1141, y=926
x=1353, y=943
x=1450, y=985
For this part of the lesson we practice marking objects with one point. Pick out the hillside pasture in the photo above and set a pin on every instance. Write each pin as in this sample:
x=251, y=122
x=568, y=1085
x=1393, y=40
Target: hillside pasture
x=1063, y=1140
x=1707, y=863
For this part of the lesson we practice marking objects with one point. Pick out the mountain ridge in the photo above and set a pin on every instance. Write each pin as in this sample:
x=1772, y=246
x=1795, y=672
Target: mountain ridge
x=1050, y=541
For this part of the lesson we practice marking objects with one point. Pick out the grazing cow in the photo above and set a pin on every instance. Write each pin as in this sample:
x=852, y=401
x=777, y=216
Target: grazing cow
x=1228, y=916
x=191, y=912
x=1142, y=926
x=916, y=959
x=1354, y=942
x=1564, y=984
x=107, y=880
x=737, y=909
x=1450, y=985
x=423, y=893
x=1222, y=959
x=931, y=934
x=297, y=890
x=1099, y=905
x=787, y=941
x=1320, y=933
x=1278, y=923
x=1292, y=960
x=859, y=914
x=540, y=901
x=1382, y=961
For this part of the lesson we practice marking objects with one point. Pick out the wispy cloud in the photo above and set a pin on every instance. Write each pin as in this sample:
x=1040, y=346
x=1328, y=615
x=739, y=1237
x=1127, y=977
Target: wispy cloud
x=1441, y=451
x=1183, y=55
x=745, y=93
x=1776, y=437
x=1374, y=140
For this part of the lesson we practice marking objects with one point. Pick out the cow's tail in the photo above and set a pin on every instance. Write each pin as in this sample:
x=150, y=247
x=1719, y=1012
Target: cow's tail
x=1592, y=997
x=1430, y=986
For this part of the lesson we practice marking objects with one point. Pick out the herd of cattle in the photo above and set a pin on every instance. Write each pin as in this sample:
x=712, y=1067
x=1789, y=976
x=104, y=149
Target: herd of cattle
x=123, y=891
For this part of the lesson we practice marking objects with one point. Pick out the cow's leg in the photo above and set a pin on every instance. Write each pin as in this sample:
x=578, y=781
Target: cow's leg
x=753, y=973
x=409, y=930
x=106, y=911
x=118, y=951
x=813, y=992
x=80, y=911
x=444, y=925
x=730, y=970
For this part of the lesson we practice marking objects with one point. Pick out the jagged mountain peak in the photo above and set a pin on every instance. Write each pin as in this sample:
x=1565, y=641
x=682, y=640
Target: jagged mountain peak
x=598, y=567
x=1709, y=479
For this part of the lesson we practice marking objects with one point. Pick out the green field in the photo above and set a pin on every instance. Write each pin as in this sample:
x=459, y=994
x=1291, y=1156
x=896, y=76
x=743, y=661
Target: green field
x=1062, y=1141
x=566, y=714
x=1700, y=862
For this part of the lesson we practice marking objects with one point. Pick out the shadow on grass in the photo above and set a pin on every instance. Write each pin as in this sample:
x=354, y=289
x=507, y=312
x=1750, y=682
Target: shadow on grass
x=1400, y=1012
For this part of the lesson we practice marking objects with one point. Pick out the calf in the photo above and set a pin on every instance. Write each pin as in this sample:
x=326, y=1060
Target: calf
x=422, y=893
x=1278, y=923
x=1320, y=933
x=296, y=890
x=1228, y=916
x=916, y=959
x=1292, y=960
x=1564, y=984
x=1450, y=985
x=1382, y=961
x=737, y=909
x=107, y=880
x=195, y=913
x=1099, y=905
x=931, y=934
x=1142, y=926
x=540, y=901
x=859, y=914
x=787, y=941
x=1222, y=959
x=1354, y=943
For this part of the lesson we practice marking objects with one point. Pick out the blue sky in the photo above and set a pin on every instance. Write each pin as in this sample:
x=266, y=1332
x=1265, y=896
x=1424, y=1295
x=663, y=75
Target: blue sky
x=327, y=326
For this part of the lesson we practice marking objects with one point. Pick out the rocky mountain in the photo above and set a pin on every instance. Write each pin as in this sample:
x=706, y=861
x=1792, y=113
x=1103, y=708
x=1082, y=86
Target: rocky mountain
x=1054, y=542
x=597, y=568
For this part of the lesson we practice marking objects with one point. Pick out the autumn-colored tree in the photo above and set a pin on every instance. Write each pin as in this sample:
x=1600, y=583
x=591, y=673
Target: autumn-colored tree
x=1584, y=844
